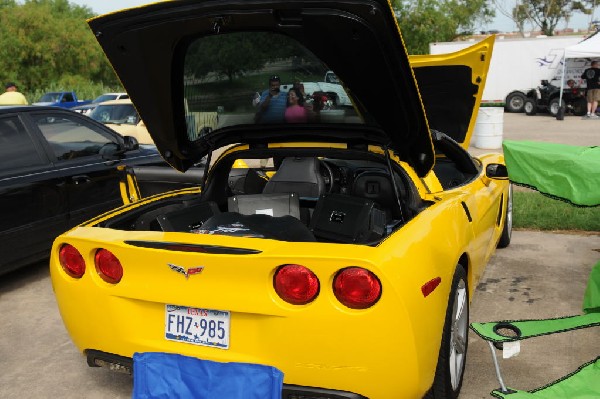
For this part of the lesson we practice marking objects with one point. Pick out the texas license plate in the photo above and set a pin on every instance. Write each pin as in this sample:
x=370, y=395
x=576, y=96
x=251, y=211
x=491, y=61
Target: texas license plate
x=197, y=326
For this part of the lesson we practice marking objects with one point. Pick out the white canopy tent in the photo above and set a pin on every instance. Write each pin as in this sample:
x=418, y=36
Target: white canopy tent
x=588, y=48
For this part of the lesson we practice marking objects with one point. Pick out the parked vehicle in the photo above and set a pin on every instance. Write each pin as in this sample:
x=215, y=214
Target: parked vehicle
x=63, y=99
x=334, y=91
x=523, y=62
x=348, y=256
x=121, y=116
x=86, y=109
x=331, y=77
x=57, y=169
x=546, y=98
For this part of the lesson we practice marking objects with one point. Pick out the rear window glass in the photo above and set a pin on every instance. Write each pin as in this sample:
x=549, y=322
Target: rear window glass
x=259, y=78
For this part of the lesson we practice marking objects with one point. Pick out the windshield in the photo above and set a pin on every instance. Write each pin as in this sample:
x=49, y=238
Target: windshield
x=258, y=78
x=331, y=78
x=105, y=97
x=115, y=113
x=50, y=98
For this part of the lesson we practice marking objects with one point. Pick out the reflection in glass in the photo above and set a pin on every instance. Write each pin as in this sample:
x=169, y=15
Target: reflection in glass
x=245, y=77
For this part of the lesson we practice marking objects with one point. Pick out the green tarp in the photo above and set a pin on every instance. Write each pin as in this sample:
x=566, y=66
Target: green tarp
x=567, y=172
x=591, y=299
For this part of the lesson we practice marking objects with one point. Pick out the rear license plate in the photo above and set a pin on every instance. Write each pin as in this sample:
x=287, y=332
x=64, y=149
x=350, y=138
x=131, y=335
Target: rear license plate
x=197, y=326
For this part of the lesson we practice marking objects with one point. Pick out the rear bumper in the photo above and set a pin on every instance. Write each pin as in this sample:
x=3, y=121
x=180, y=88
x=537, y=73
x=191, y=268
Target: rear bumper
x=124, y=364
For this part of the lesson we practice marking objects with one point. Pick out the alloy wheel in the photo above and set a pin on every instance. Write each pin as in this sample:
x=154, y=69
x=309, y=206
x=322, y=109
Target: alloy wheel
x=458, y=335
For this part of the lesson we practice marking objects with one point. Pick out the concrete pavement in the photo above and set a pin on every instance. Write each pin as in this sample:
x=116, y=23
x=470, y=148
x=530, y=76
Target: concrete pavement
x=572, y=130
x=540, y=275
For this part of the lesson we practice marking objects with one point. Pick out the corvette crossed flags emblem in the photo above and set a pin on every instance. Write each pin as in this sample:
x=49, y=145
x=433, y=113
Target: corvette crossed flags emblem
x=187, y=273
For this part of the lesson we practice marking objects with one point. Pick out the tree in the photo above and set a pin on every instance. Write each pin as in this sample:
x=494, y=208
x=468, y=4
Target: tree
x=46, y=41
x=545, y=14
x=520, y=16
x=7, y=3
x=426, y=21
x=234, y=54
x=548, y=13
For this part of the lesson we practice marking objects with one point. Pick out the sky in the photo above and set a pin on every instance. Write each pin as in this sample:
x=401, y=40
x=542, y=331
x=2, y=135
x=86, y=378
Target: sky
x=500, y=23
x=106, y=6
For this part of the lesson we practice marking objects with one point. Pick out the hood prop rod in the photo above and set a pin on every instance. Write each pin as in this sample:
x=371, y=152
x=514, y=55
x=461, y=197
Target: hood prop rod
x=206, y=167
x=393, y=179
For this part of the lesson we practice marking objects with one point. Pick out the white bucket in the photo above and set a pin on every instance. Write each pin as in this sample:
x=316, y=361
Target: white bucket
x=489, y=127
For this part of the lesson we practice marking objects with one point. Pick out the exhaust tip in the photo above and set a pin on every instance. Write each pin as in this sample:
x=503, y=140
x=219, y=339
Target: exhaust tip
x=119, y=364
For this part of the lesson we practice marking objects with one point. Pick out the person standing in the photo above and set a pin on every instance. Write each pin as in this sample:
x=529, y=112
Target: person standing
x=592, y=78
x=12, y=96
x=295, y=112
x=272, y=105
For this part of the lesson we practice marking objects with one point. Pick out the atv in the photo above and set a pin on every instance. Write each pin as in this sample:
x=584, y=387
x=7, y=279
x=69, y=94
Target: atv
x=545, y=98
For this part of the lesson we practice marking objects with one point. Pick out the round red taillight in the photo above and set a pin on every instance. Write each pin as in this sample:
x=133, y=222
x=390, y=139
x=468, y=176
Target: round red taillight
x=296, y=284
x=71, y=261
x=108, y=266
x=356, y=288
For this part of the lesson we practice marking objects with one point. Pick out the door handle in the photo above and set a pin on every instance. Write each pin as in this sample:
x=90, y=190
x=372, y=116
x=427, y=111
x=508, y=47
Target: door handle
x=81, y=179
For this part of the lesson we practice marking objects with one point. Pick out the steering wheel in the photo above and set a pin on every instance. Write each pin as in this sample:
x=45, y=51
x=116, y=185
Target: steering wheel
x=328, y=176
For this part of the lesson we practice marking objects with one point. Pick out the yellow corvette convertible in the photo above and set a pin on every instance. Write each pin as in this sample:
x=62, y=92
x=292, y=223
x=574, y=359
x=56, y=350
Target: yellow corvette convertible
x=340, y=244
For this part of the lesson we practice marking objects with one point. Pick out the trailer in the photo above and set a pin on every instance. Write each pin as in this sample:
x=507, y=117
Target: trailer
x=518, y=64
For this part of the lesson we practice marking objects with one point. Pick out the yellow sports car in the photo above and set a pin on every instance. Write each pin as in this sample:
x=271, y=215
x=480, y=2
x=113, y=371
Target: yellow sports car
x=339, y=244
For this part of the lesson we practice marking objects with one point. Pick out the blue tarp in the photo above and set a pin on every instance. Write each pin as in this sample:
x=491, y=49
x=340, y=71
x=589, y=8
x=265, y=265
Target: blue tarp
x=166, y=375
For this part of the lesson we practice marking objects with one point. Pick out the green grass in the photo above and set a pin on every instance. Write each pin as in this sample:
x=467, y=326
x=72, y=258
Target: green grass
x=532, y=210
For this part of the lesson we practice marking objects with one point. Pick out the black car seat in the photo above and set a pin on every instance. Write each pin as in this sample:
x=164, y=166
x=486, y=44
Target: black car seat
x=297, y=175
x=377, y=187
x=273, y=204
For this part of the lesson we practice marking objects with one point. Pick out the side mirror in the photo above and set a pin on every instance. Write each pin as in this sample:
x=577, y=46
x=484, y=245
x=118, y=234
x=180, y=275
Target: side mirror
x=205, y=130
x=496, y=171
x=131, y=143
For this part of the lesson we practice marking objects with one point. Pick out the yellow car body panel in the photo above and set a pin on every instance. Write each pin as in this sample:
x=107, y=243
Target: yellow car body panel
x=111, y=314
x=437, y=213
x=478, y=57
x=129, y=317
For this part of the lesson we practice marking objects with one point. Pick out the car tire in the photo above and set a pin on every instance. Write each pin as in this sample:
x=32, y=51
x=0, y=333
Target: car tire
x=506, y=234
x=579, y=107
x=515, y=102
x=530, y=107
x=453, y=350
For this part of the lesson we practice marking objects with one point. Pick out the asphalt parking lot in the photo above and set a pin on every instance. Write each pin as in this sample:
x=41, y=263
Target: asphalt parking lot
x=538, y=275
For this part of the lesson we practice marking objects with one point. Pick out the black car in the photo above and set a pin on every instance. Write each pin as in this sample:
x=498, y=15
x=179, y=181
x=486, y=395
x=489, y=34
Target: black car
x=57, y=169
x=545, y=98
